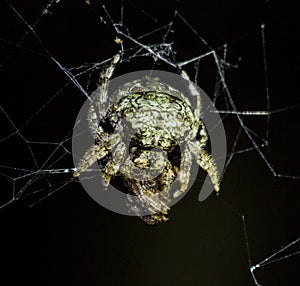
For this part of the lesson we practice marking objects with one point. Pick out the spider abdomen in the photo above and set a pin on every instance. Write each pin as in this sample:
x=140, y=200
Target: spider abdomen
x=155, y=114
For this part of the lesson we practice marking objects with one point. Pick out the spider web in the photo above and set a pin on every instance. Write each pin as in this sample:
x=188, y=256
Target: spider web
x=51, y=57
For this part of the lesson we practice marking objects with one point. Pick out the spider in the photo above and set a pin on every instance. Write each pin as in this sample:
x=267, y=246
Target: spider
x=160, y=119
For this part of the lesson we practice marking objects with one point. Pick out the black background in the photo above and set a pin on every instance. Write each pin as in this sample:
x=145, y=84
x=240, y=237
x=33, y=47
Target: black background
x=68, y=239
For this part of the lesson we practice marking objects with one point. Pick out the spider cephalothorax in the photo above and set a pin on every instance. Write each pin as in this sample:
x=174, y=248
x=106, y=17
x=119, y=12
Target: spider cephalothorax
x=138, y=138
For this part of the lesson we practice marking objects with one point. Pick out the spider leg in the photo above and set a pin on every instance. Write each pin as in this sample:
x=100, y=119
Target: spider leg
x=206, y=162
x=193, y=91
x=100, y=104
x=94, y=119
x=184, y=173
x=113, y=166
x=96, y=152
x=99, y=107
x=96, y=112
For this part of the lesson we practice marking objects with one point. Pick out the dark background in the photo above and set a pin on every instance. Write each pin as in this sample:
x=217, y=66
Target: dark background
x=68, y=239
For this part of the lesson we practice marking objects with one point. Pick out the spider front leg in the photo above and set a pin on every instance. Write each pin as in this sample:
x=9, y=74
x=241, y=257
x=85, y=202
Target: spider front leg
x=97, y=152
x=99, y=106
x=113, y=166
x=206, y=162
x=193, y=90
x=96, y=112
